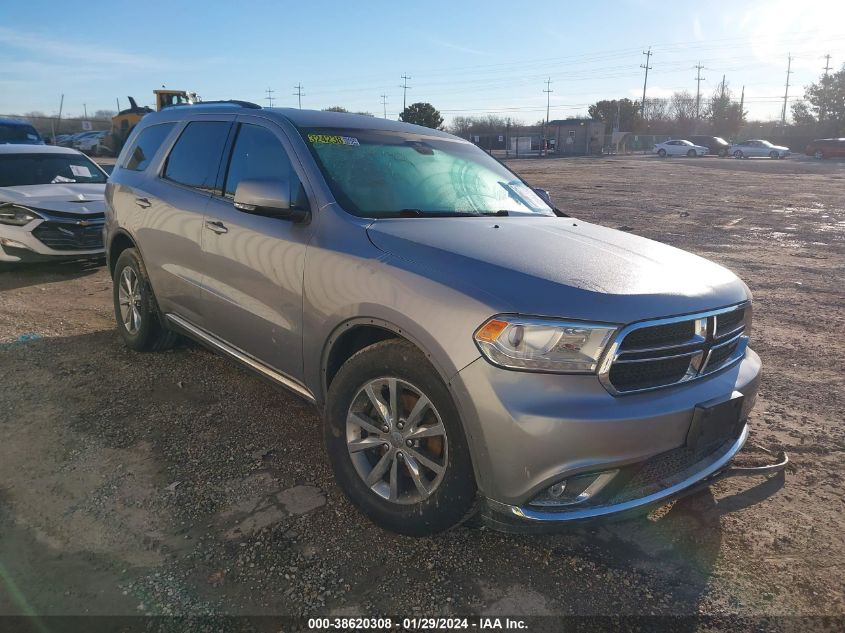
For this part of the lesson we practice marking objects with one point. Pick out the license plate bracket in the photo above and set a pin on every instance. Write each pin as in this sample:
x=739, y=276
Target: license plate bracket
x=715, y=421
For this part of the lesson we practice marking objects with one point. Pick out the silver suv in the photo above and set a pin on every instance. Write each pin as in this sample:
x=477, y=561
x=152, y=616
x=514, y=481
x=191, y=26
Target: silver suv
x=471, y=348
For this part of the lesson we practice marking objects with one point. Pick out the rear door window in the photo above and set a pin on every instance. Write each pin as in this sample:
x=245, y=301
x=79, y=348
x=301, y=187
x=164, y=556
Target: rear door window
x=256, y=154
x=195, y=158
x=146, y=145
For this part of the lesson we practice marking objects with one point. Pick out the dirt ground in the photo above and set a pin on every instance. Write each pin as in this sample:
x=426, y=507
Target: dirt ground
x=177, y=483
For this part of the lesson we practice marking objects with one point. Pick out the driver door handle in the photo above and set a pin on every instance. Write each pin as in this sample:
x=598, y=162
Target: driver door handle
x=216, y=226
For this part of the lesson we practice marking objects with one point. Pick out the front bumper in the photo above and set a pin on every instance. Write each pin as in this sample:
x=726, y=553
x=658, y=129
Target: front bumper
x=19, y=244
x=528, y=431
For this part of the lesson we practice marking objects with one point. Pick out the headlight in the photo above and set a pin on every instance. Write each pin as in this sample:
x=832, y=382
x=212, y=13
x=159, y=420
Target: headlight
x=17, y=216
x=543, y=344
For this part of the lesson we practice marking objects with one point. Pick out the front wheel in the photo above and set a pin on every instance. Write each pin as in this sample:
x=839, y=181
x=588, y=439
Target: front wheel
x=395, y=441
x=774, y=154
x=662, y=153
x=691, y=154
x=819, y=155
x=723, y=153
x=738, y=153
x=135, y=306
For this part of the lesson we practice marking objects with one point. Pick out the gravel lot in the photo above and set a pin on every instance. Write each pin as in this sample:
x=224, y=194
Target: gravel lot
x=177, y=483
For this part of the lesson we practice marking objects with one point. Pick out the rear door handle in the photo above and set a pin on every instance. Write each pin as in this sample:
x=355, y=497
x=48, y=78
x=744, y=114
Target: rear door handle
x=216, y=226
x=144, y=203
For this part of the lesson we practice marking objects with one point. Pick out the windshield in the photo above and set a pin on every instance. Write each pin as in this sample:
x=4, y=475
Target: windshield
x=13, y=133
x=375, y=173
x=42, y=169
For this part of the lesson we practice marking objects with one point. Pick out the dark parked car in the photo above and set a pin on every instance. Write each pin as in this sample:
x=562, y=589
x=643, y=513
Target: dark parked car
x=715, y=144
x=19, y=133
x=826, y=148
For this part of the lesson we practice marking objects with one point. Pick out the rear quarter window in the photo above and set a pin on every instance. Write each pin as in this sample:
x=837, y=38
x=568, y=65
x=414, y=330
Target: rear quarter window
x=195, y=158
x=145, y=146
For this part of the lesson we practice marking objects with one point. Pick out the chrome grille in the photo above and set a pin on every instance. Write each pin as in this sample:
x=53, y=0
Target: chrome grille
x=665, y=352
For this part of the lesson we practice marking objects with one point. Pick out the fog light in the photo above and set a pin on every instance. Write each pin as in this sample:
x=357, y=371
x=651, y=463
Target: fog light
x=5, y=241
x=574, y=490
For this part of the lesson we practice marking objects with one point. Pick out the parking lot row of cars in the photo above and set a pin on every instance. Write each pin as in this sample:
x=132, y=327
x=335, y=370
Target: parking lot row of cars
x=695, y=146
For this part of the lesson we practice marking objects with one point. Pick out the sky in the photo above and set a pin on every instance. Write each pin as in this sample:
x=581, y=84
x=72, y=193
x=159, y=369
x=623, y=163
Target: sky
x=466, y=58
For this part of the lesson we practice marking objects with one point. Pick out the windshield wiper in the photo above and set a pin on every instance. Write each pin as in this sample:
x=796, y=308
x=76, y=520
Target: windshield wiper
x=419, y=213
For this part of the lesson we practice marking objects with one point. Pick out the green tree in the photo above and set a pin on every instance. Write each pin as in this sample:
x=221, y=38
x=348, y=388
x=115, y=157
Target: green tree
x=802, y=114
x=422, y=114
x=825, y=103
x=628, y=113
x=335, y=109
x=726, y=117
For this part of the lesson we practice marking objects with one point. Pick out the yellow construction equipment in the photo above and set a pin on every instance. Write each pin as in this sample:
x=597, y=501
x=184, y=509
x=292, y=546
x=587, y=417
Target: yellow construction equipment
x=125, y=120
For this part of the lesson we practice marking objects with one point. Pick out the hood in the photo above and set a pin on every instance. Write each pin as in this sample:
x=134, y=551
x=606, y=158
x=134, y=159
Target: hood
x=551, y=266
x=82, y=198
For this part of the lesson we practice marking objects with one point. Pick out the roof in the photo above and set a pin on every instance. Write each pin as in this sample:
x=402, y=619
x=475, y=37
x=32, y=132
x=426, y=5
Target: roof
x=299, y=118
x=562, y=122
x=6, y=121
x=22, y=148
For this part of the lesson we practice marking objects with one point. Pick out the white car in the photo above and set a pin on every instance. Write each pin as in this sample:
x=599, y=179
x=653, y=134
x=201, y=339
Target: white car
x=678, y=147
x=51, y=204
x=90, y=143
x=758, y=147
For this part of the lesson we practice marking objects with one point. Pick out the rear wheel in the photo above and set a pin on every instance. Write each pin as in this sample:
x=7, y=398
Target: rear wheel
x=738, y=153
x=774, y=154
x=818, y=154
x=135, y=308
x=662, y=153
x=395, y=441
x=722, y=153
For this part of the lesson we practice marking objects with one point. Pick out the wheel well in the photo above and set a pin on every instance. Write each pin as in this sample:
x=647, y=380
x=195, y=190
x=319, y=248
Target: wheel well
x=119, y=244
x=351, y=341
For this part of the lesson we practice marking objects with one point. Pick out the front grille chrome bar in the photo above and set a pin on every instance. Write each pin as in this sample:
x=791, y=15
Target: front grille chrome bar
x=705, y=349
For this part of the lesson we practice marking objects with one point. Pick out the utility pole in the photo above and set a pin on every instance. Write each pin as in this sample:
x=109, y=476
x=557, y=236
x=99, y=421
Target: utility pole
x=85, y=110
x=645, y=81
x=786, y=92
x=508, y=138
x=404, y=87
x=269, y=97
x=117, y=103
x=823, y=107
x=59, y=122
x=384, y=104
x=298, y=94
x=548, y=92
x=723, y=88
x=698, y=79
x=742, y=104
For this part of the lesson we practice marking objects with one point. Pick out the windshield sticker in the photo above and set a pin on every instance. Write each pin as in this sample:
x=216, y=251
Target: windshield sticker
x=60, y=179
x=526, y=195
x=80, y=170
x=331, y=139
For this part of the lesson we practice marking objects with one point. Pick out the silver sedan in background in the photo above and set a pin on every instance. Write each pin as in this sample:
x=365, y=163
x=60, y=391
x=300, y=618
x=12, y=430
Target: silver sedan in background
x=758, y=147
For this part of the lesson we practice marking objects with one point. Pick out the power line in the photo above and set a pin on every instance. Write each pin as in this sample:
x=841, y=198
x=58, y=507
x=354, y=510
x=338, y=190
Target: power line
x=384, y=104
x=698, y=79
x=786, y=91
x=298, y=94
x=404, y=87
x=269, y=97
x=645, y=81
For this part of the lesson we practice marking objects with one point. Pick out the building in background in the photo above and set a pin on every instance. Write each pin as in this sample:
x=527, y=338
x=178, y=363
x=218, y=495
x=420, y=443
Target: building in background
x=576, y=137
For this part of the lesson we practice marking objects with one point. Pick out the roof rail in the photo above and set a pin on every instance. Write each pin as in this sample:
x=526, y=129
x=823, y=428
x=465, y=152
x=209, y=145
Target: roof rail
x=243, y=104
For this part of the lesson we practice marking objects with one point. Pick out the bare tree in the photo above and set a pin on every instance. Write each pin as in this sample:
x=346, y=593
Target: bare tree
x=682, y=107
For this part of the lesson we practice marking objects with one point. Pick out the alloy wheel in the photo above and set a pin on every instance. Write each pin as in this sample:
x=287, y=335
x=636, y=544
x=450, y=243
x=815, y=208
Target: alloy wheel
x=396, y=440
x=129, y=298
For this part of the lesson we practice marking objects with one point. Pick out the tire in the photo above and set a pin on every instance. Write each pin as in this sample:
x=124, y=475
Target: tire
x=774, y=154
x=819, y=155
x=352, y=421
x=662, y=153
x=738, y=154
x=691, y=154
x=723, y=153
x=135, y=308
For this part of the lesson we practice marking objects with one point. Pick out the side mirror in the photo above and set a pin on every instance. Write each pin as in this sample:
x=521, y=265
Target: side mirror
x=271, y=198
